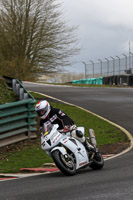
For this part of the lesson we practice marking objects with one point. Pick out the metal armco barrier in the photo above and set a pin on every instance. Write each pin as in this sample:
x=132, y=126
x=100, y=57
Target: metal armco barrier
x=18, y=88
x=17, y=119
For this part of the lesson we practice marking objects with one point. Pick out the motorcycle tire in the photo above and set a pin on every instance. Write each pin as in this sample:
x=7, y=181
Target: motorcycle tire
x=62, y=165
x=97, y=162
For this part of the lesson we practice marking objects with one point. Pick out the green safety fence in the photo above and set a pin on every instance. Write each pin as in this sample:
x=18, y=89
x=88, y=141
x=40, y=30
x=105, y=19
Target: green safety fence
x=17, y=119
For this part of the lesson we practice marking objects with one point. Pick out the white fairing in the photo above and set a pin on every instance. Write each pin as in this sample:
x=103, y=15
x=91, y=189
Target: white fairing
x=52, y=141
x=78, y=150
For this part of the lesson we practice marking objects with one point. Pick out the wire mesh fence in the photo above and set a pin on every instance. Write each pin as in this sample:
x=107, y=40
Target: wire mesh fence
x=118, y=66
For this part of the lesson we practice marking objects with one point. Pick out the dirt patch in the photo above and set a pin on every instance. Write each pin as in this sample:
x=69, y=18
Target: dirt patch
x=114, y=148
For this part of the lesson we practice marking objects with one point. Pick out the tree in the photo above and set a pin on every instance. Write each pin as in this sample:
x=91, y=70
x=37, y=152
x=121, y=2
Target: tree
x=33, y=38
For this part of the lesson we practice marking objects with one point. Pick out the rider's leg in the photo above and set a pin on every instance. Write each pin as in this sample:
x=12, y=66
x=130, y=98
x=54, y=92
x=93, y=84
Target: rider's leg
x=80, y=136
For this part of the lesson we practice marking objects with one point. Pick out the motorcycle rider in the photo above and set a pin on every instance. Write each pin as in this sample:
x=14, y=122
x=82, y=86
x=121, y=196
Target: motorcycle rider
x=50, y=115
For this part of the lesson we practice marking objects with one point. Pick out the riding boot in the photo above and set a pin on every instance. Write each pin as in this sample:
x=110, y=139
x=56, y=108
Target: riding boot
x=89, y=147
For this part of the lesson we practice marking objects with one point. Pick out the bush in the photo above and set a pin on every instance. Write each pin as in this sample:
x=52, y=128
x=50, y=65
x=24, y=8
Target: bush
x=6, y=94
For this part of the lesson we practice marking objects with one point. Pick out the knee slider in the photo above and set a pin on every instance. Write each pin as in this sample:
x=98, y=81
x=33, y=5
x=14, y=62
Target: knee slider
x=79, y=134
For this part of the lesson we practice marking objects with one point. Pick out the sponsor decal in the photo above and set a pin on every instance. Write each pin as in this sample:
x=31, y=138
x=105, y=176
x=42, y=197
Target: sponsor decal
x=52, y=119
x=82, y=163
x=52, y=137
x=45, y=133
x=61, y=113
x=43, y=144
x=46, y=137
x=56, y=138
x=64, y=139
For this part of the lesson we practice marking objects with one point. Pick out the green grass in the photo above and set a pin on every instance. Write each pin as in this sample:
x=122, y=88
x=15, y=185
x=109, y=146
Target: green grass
x=33, y=156
x=27, y=158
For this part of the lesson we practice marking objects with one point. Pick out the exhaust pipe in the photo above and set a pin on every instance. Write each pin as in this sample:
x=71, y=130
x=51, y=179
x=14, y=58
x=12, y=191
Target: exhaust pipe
x=92, y=137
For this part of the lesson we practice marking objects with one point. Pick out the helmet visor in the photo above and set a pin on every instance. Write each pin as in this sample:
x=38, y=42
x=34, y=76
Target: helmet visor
x=43, y=111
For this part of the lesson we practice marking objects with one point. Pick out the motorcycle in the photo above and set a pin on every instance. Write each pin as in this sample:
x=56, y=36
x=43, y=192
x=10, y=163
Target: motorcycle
x=68, y=153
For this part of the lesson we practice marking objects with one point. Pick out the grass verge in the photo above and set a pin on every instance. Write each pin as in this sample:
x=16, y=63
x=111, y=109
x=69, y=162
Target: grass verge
x=28, y=154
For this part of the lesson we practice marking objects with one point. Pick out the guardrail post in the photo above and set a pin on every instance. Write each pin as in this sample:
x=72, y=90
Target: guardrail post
x=31, y=117
x=14, y=81
x=25, y=96
x=17, y=88
x=21, y=94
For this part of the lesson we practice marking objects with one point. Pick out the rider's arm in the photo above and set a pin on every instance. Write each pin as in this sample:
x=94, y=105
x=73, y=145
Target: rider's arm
x=66, y=121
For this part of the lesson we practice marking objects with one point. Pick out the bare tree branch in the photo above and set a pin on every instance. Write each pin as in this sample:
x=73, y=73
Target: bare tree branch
x=33, y=38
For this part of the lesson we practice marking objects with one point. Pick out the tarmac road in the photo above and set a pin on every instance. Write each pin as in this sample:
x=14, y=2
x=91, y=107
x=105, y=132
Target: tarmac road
x=115, y=104
x=114, y=181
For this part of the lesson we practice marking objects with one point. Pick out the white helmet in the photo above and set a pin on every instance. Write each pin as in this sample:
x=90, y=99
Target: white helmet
x=43, y=108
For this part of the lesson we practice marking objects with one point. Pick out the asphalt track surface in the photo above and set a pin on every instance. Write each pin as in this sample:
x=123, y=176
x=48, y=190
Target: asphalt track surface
x=114, y=181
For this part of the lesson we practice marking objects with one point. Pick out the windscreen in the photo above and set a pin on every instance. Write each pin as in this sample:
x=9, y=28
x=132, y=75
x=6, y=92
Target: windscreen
x=46, y=129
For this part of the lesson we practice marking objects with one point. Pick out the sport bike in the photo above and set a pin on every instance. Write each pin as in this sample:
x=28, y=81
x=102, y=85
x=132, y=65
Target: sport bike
x=68, y=153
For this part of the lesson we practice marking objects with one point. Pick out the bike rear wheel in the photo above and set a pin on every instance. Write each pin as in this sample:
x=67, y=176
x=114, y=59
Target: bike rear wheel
x=97, y=162
x=66, y=166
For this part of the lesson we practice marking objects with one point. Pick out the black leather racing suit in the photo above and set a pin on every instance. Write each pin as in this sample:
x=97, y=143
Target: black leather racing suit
x=56, y=116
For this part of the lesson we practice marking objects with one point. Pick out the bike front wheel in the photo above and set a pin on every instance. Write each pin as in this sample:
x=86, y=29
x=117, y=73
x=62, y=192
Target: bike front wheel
x=66, y=165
